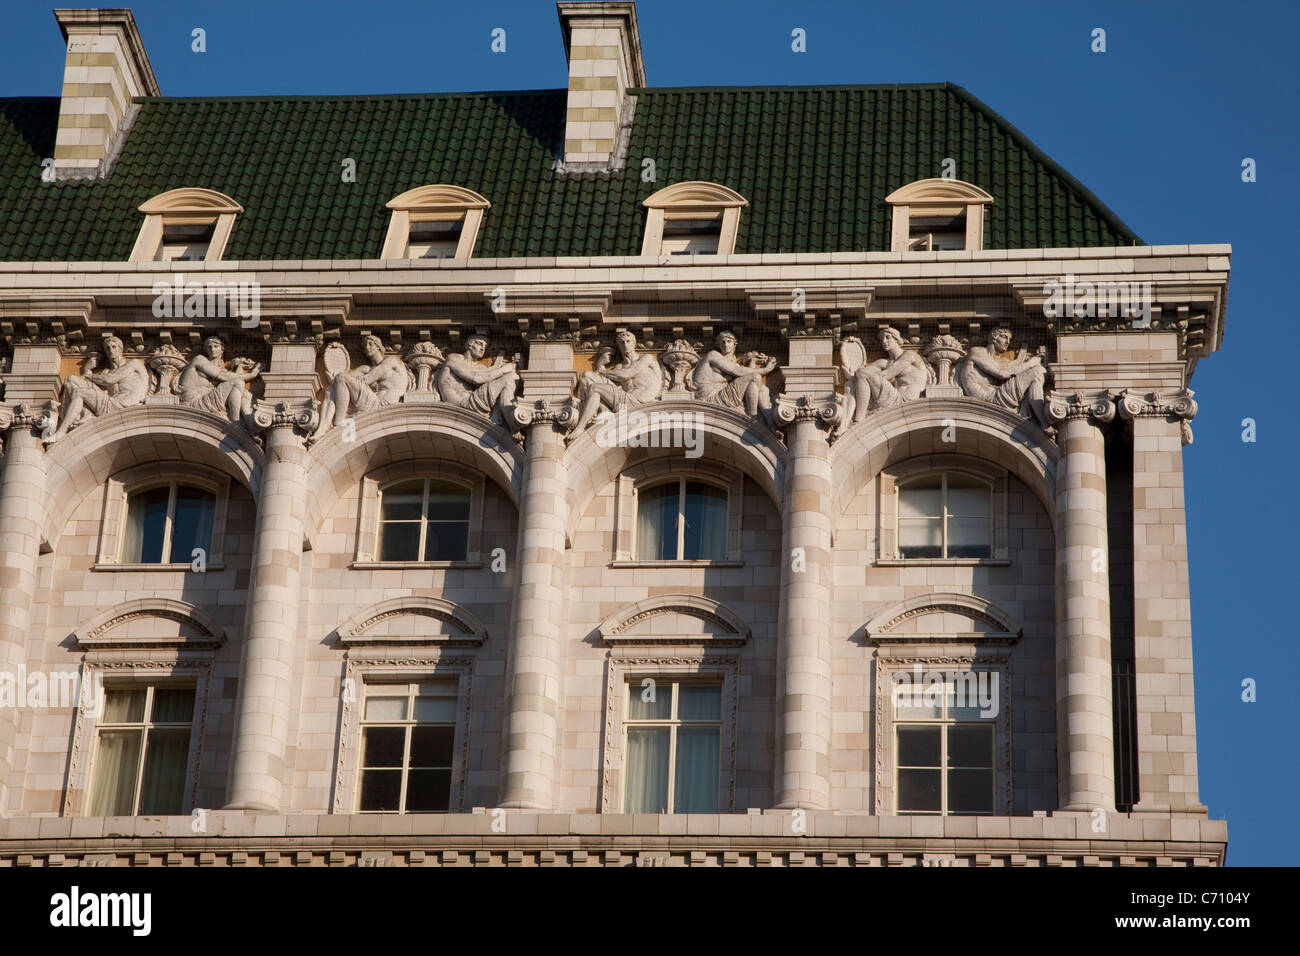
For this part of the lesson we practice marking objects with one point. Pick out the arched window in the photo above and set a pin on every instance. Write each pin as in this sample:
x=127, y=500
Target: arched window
x=681, y=520
x=185, y=225
x=945, y=515
x=166, y=523
x=434, y=222
x=933, y=215
x=423, y=519
x=692, y=218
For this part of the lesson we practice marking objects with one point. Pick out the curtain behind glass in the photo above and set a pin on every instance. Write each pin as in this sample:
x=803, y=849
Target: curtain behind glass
x=116, y=761
x=656, y=523
x=706, y=522
x=696, y=789
x=163, y=789
x=191, y=523
x=647, y=770
x=146, y=520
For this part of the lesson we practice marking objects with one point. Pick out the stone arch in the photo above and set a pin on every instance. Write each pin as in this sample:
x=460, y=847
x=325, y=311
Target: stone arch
x=437, y=431
x=182, y=625
x=908, y=619
x=980, y=430
x=410, y=620
x=729, y=437
x=658, y=619
x=83, y=459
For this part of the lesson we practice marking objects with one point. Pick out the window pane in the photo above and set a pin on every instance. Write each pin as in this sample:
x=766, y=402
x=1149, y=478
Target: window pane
x=381, y=790
x=918, y=701
x=967, y=497
x=399, y=541
x=970, y=791
x=647, y=770
x=385, y=708
x=435, y=709
x=173, y=705
x=191, y=523
x=146, y=520
x=163, y=790
x=403, y=501
x=382, y=746
x=920, y=537
x=446, y=541
x=124, y=706
x=699, y=702
x=117, y=762
x=706, y=522
x=969, y=538
x=918, y=746
x=974, y=692
x=696, y=787
x=652, y=702
x=920, y=498
x=656, y=526
x=428, y=791
x=431, y=746
x=970, y=745
x=447, y=502
x=918, y=790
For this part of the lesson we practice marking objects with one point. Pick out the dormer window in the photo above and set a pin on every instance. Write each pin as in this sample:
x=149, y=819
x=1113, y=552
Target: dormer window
x=937, y=215
x=434, y=222
x=185, y=225
x=692, y=219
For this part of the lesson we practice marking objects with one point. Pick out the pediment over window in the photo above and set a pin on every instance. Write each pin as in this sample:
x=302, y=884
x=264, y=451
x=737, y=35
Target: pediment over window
x=675, y=619
x=151, y=622
x=943, y=617
x=412, y=621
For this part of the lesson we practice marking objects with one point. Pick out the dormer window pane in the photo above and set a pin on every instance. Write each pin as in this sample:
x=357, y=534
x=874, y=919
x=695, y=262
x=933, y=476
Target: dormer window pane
x=692, y=237
x=937, y=233
x=435, y=238
x=187, y=243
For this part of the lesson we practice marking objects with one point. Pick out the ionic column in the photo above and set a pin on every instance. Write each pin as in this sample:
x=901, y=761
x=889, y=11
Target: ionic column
x=1084, y=728
x=535, y=656
x=1162, y=633
x=31, y=383
x=803, y=774
x=266, y=687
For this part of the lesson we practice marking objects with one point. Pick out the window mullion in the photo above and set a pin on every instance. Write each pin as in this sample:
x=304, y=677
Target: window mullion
x=681, y=519
x=165, y=557
x=424, y=525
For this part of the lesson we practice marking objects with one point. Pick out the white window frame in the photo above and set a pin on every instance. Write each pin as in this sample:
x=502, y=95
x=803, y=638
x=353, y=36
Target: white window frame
x=693, y=200
x=887, y=508
x=437, y=202
x=944, y=722
x=117, y=495
x=673, y=722
x=682, y=481
x=185, y=207
x=377, y=688
x=930, y=198
x=945, y=515
x=366, y=555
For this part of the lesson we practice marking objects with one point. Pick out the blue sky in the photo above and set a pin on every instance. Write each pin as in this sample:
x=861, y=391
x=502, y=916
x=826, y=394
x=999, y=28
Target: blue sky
x=1157, y=126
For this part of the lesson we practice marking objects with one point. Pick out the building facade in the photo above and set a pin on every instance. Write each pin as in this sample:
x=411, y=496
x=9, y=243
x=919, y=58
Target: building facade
x=605, y=476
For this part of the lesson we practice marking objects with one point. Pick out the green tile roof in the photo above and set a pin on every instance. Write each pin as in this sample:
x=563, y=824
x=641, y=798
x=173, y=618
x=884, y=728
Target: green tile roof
x=815, y=164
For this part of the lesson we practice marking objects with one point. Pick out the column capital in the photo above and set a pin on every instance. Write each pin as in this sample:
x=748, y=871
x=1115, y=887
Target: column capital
x=1134, y=403
x=827, y=412
x=1097, y=407
x=563, y=415
x=284, y=415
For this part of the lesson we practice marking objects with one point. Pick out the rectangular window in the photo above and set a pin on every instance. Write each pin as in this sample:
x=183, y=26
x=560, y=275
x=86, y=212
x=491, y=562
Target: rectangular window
x=936, y=233
x=943, y=752
x=945, y=516
x=691, y=237
x=435, y=238
x=142, y=751
x=673, y=735
x=186, y=242
x=408, y=734
x=170, y=520
x=682, y=521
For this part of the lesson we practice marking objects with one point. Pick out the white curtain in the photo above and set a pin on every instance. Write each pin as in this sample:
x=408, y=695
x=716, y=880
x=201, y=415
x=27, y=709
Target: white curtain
x=656, y=523
x=696, y=789
x=706, y=522
x=647, y=770
x=163, y=789
x=116, y=762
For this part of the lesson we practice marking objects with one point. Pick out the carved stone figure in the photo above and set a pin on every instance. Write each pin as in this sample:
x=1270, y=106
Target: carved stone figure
x=632, y=380
x=368, y=387
x=1016, y=384
x=125, y=382
x=463, y=382
x=207, y=383
x=720, y=380
x=886, y=382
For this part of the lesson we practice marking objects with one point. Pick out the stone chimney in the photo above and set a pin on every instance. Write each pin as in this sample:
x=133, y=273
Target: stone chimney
x=105, y=68
x=604, y=52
